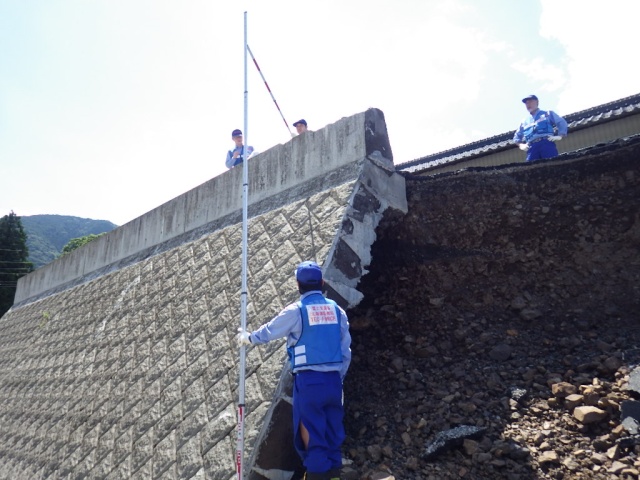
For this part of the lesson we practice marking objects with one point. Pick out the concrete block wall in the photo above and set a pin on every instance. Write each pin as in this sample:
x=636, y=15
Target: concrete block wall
x=129, y=368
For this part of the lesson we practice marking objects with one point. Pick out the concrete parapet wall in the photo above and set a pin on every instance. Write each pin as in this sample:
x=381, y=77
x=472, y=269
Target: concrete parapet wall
x=283, y=168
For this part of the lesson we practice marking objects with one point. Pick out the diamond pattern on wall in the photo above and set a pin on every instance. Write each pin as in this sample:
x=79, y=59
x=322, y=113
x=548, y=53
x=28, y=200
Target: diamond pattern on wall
x=135, y=373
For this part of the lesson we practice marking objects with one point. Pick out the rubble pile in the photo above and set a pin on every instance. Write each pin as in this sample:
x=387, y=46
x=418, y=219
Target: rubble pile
x=509, y=303
x=565, y=424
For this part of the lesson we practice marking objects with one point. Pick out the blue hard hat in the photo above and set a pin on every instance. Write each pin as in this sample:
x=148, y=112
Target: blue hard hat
x=529, y=97
x=309, y=273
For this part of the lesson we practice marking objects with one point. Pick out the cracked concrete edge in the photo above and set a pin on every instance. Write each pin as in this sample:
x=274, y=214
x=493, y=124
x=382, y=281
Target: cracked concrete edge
x=350, y=254
x=285, y=384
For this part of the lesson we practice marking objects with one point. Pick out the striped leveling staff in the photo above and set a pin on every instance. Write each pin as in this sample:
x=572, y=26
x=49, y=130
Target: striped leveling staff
x=267, y=85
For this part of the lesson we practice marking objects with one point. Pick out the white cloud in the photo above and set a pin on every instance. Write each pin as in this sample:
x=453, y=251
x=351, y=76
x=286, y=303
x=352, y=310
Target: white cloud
x=548, y=76
x=601, y=43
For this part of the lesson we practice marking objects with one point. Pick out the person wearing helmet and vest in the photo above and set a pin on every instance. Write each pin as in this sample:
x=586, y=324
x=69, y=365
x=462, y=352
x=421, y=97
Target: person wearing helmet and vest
x=319, y=347
x=539, y=130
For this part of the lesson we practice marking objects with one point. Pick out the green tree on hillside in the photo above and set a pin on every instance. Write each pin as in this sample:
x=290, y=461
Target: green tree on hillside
x=48, y=234
x=14, y=256
x=78, y=242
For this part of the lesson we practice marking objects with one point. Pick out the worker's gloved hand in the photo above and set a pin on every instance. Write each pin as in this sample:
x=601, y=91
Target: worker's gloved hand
x=523, y=146
x=555, y=138
x=293, y=135
x=243, y=337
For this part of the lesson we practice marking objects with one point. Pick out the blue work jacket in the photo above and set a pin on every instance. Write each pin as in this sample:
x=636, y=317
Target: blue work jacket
x=540, y=125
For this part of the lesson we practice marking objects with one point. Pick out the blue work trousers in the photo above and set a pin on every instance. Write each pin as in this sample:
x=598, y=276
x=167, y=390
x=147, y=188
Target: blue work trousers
x=541, y=149
x=317, y=403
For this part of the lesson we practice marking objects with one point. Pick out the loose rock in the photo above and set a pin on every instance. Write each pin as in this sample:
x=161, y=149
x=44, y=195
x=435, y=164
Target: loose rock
x=586, y=414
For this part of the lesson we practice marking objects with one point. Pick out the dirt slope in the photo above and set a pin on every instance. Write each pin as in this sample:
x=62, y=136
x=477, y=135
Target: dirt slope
x=500, y=294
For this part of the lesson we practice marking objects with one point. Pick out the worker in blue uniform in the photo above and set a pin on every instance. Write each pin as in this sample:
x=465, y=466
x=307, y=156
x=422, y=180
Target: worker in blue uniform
x=235, y=156
x=319, y=347
x=539, y=130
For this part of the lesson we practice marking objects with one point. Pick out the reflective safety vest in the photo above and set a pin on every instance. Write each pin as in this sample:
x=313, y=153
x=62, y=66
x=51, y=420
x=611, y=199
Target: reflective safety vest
x=319, y=343
x=539, y=125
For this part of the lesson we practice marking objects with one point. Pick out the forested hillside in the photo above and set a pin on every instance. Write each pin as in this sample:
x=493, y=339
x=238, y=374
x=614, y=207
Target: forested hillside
x=47, y=234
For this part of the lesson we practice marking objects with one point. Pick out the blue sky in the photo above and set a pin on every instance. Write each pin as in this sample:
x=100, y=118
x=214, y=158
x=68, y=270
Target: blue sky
x=109, y=108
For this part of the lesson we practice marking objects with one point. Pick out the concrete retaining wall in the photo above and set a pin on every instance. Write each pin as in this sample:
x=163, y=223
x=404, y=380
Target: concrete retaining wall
x=120, y=361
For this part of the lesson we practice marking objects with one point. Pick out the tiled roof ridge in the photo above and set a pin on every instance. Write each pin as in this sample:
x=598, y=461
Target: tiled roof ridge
x=631, y=141
x=605, y=107
x=573, y=119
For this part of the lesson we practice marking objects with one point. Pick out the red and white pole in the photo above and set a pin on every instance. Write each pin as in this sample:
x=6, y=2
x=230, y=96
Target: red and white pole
x=267, y=85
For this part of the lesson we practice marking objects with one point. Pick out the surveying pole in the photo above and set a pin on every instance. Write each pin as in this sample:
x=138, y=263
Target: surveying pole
x=243, y=292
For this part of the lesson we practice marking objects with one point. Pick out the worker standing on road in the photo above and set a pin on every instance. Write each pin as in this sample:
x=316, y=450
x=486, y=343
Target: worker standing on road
x=539, y=130
x=319, y=347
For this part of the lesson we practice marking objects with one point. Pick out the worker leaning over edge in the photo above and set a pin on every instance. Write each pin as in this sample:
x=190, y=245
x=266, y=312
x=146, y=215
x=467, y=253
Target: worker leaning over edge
x=319, y=347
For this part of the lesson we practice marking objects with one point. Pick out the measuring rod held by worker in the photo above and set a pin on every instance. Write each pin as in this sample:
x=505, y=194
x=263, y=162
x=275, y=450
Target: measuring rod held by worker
x=243, y=293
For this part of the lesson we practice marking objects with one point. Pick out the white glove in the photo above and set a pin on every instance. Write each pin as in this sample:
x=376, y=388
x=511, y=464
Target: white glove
x=555, y=138
x=523, y=146
x=293, y=135
x=243, y=337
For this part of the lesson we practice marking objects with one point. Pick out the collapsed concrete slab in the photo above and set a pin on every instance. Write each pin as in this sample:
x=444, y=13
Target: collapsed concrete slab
x=120, y=359
x=449, y=439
